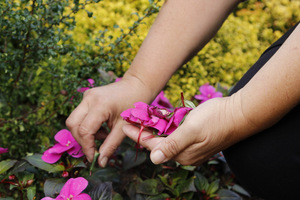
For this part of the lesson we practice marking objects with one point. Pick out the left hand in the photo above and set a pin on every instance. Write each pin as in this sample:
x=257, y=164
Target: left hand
x=208, y=129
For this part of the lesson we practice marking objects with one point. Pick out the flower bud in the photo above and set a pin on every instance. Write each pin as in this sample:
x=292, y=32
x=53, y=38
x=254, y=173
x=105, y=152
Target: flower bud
x=65, y=174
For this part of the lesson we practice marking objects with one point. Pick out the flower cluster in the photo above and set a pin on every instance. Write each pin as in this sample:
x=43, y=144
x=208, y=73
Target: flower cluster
x=66, y=143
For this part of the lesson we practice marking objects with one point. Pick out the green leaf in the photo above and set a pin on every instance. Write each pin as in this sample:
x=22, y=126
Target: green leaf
x=225, y=194
x=189, y=104
x=186, y=185
x=6, y=165
x=150, y=187
x=101, y=191
x=53, y=186
x=240, y=190
x=201, y=182
x=20, y=166
x=130, y=161
x=158, y=197
x=117, y=196
x=36, y=160
x=213, y=187
x=31, y=191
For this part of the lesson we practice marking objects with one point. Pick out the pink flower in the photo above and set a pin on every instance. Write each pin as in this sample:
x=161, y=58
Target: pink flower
x=176, y=119
x=207, y=92
x=83, y=89
x=162, y=102
x=3, y=150
x=66, y=143
x=72, y=190
x=146, y=116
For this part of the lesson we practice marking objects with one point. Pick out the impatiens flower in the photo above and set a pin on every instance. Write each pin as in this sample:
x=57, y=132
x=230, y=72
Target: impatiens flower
x=83, y=89
x=72, y=190
x=66, y=143
x=176, y=119
x=162, y=102
x=207, y=92
x=3, y=150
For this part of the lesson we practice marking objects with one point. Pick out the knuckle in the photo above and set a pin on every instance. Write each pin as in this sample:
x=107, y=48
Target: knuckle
x=83, y=131
x=172, y=146
x=70, y=123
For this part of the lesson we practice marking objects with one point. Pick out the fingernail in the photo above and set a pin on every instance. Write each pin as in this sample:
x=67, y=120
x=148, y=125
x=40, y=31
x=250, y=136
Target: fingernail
x=158, y=157
x=103, y=161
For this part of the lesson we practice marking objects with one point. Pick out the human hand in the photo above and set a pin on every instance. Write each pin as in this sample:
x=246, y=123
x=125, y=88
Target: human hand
x=99, y=105
x=208, y=129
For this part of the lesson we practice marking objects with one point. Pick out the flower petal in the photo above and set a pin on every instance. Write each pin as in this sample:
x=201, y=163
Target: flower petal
x=64, y=137
x=76, y=151
x=47, y=198
x=50, y=157
x=82, y=196
x=3, y=150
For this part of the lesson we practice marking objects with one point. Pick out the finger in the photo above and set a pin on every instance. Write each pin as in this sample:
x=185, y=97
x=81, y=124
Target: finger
x=111, y=143
x=87, y=131
x=171, y=146
x=75, y=118
x=147, y=140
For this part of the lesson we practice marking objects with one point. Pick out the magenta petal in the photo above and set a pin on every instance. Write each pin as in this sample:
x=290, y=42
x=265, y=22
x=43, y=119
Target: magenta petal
x=161, y=101
x=49, y=157
x=126, y=113
x=207, y=89
x=160, y=126
x=76, y=151
x=82, y=196
x=91, y=81
x=82, y=89
x=217, y=94
x=3, y=150
x=200, y=97
x=47, y=198
x=140, y=114
x=180, y=114
x=64, y=137
x=74, y=186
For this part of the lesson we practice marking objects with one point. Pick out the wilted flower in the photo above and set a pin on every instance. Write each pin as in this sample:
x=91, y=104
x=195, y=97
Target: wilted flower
x=146, y=116
x=66, y=143
x=3, y=150
x=72, y=190
x=207, y=92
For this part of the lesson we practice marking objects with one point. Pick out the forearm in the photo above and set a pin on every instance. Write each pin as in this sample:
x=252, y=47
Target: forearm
x=274, y=90
x=181, y=29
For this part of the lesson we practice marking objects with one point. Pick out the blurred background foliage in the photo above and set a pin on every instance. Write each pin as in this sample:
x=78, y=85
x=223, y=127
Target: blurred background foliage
x=49, y=48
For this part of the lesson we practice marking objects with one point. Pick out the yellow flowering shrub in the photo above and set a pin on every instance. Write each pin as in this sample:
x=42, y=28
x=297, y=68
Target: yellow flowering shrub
x=248, y=31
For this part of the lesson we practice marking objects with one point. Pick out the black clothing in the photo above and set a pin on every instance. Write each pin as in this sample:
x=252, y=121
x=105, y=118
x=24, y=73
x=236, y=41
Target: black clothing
x=267, y=164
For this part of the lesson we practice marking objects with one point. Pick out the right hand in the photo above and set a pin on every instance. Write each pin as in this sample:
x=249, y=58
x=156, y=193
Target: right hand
x=104, y=104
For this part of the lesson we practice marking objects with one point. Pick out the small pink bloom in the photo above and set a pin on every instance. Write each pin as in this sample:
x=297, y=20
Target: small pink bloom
x=72, y=190
x=83, y=89
x=118, y=79
x=3, y=150
x=162, y=102
x=66, y=143
x=207, y=92
x=176, y=119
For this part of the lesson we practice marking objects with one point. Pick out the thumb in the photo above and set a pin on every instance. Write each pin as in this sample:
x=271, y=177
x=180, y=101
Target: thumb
x=170, y=146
